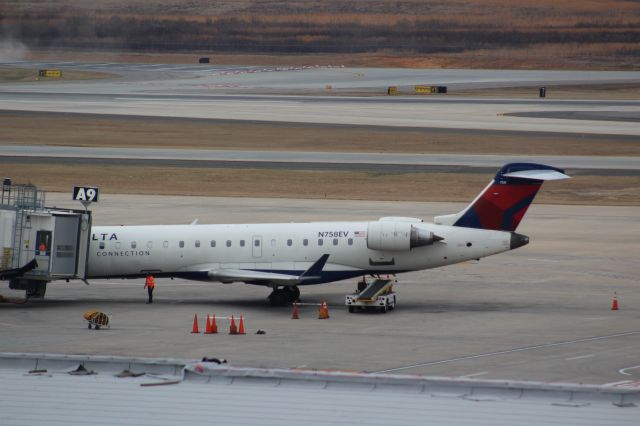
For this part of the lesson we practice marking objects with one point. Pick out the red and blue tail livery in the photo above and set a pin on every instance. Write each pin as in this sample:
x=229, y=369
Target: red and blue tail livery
x=504, y=202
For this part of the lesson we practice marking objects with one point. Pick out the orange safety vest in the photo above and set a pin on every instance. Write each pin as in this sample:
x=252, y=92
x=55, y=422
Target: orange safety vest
x=150, y=282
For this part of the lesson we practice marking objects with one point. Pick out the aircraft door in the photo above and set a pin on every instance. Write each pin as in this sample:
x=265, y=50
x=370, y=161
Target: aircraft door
x=64, y=258
x=256, y=246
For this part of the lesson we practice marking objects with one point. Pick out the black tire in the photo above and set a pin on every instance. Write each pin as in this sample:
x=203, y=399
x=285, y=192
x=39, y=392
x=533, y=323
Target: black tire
x=294, y=293
x=280, y=297
x=89, y=326
x=351, y=309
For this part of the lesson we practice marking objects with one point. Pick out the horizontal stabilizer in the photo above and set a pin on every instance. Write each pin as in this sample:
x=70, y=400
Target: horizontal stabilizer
x=537, y=175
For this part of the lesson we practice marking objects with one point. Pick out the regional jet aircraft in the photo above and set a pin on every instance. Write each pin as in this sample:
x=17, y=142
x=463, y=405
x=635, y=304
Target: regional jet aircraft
x=287, y=255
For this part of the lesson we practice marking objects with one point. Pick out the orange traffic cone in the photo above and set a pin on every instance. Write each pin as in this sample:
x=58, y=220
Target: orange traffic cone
x=614, y=303
x=214, y=326
x=241, y=326
x=323, y=311
x=232, y=327
x=295, y=312
x=195, y=325
x=207, y=328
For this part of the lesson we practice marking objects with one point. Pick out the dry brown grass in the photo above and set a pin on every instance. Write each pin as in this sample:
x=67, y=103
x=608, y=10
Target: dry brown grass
x=145, y=132
x=584, y=190
x=575, y=34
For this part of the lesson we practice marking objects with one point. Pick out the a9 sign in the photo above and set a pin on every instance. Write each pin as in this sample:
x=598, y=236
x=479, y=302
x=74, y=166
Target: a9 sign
x=87, y=194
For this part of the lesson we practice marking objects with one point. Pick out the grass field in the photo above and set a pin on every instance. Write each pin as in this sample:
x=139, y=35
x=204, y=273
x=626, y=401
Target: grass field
x=147, y=132
x=585, y=190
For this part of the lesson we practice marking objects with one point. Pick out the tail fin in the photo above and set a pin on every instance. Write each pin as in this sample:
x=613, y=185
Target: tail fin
x=503, y=203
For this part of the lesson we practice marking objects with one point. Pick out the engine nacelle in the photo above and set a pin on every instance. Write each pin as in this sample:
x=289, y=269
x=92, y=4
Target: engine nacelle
x=397, y=236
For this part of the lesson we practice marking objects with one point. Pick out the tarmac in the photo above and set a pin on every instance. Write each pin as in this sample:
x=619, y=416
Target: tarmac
x=256, y=94
x=540, y=313
x=391, y=162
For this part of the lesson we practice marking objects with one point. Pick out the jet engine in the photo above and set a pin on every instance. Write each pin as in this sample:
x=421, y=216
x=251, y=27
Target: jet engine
x=398, y=236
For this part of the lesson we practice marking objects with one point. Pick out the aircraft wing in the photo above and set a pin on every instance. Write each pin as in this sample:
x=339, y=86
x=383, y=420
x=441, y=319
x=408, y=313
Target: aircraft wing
x=260, y=277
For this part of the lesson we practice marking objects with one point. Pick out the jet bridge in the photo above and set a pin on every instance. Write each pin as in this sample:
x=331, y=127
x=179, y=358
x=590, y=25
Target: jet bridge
x=39, y=244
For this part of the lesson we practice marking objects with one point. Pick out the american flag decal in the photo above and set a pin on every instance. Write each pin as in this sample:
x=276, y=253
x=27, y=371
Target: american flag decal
x=360, y=233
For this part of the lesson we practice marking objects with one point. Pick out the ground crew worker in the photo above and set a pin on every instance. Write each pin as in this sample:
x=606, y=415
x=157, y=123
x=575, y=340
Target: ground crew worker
x=149, y=284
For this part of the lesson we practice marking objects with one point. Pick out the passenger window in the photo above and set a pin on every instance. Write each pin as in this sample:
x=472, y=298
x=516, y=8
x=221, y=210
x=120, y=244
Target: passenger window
x=149, y=244
x=289, y=243
x=197, y=243
x=101, y=245
x=305, y=242
x=165, y=244
x=256, y=243
x=181, y=244
x=335, y=241
x=320, y=241
x=133, y=244
x=213, y=243
x=350, y=241
x=228, y=243
x=241, y=243
x=118, y=245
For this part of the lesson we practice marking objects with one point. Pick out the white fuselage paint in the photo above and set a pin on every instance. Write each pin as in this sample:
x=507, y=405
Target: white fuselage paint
x=122, y=251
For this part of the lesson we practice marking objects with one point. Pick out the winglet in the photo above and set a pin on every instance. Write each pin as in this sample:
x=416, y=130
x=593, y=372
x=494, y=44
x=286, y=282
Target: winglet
x=315, y=270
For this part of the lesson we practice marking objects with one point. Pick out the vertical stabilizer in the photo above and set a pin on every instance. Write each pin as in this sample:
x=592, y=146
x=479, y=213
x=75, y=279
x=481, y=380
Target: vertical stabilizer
x=504, y=202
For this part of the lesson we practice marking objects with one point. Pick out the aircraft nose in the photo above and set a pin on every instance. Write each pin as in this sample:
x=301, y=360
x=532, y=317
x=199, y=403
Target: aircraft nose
x=518, y=240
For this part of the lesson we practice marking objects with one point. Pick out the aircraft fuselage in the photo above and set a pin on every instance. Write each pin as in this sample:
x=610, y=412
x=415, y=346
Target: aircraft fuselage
x=290, y=248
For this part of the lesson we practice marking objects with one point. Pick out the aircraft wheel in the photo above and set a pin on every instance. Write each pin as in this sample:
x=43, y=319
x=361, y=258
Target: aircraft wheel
x=294, y=291
x=280, y=297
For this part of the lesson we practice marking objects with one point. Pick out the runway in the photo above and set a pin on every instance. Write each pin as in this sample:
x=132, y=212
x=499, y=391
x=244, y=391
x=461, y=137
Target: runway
x=389, y=162
x=255, y=93
x=170, y=78
x=373, y=111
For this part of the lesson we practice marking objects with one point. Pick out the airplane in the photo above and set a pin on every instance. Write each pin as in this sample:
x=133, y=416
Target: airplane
x=284, y=256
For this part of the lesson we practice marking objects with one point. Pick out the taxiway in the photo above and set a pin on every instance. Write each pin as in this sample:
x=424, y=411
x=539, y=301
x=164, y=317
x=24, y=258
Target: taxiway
x=541, y=312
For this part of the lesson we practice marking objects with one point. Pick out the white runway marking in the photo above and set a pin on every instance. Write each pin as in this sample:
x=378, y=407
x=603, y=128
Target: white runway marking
x=579, y=357
x=624, y=370
x=508, y=351
x=468, y=376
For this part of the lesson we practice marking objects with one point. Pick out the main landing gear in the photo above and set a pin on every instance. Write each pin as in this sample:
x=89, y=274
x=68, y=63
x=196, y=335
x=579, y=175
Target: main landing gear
x=284, y=296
